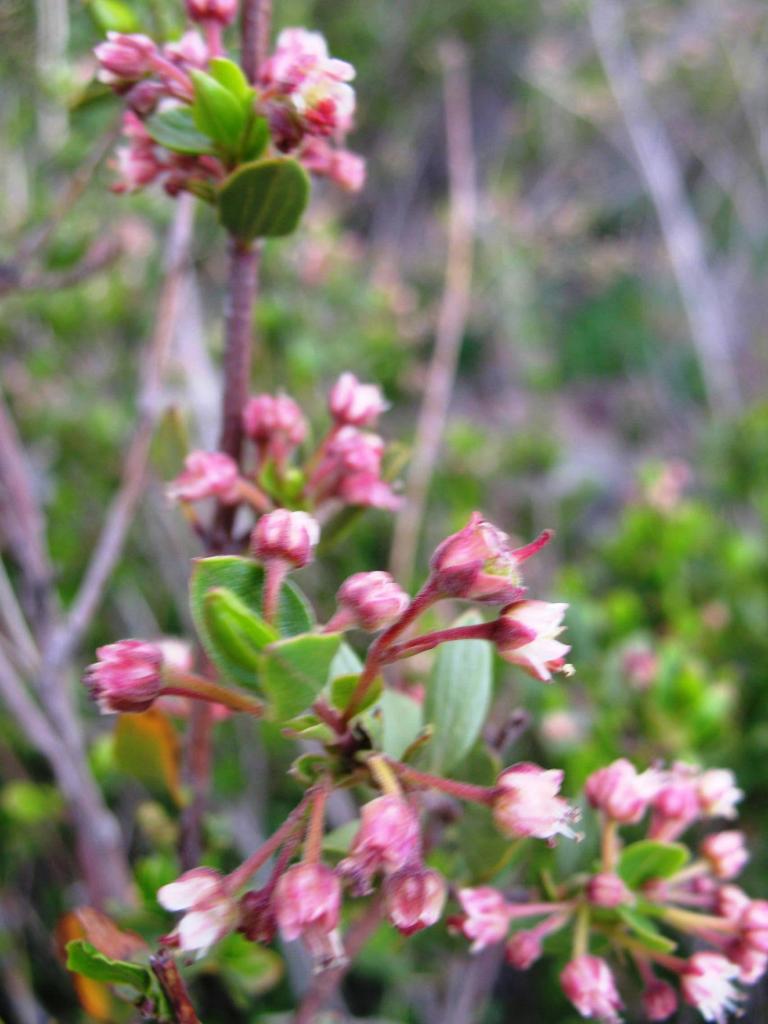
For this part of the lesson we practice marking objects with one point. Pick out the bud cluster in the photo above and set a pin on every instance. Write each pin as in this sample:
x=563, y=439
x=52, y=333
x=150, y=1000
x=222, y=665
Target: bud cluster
x=303, y=94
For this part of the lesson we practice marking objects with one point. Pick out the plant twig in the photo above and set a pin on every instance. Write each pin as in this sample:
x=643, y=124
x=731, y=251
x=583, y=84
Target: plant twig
x=683, y=235
x=167, y=973
x=100, y=256
x=255, y=28
x=454, y=308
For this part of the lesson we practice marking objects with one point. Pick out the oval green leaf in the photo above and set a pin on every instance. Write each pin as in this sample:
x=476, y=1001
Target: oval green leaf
x=175, y=129
x=264, y=199
x=646, y=859
x=294, y=671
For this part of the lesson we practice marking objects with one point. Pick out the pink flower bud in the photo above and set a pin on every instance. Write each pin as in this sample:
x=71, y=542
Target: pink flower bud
x=752, y=963
x=127, y=676
x=344, y=168
x=275, y=423
x=144, y=97
x=415, y=897
x=731, y=902
x=191, y=51
x=676, y=804
x=354, y=404
x=210, y=911
x=620, y=792
x=725, y=853
x=356, y=451
x=659, y=1000
x=754, y=925
x=718, y=793
x=372, y=600
x=607, y=890
x=479, y=564
x=288, y=536
x=523, y=949
x=125, y=58
x=368, y=491
x=527, y=803
x=223, y=11
x=707, y=984
x=257, y=916
x=389, y=838
x=307, y=905
x=526, y=635
x=206, y=475
x=589, y=984
x=487, y=916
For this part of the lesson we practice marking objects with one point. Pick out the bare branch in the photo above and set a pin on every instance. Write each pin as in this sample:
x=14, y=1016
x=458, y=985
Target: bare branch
x=454, y=308
x=101, y=255
x=684, y=238
x=120, y=514
x=167, y=974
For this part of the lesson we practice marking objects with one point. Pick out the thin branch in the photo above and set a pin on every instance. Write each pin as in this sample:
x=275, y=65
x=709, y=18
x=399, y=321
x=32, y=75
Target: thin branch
x=167, y=973
x=120, y=514
x=101, y=255
x=683, y=235
x=255, y=27
x=454, y=308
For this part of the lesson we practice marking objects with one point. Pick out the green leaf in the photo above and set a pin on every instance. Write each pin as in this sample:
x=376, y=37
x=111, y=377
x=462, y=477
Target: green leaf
x=342, y=688
x=237, y=633
x=648, y=859
x=175, y=129
x=345, y=662
x=244, y=579
x=264, y=199
x=394, y=723
x=295, y=671
x=252, y=145
x=339, y=839
x=646, y=931
x=307, y=768
x=85, y=959
x=216, y=112
x=231, y=76
x=114, y=16
x=458, y=697
x=245, y=967
x=146, y=746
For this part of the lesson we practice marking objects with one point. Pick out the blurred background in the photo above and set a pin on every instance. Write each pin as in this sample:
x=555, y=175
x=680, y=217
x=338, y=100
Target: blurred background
x=610, y=384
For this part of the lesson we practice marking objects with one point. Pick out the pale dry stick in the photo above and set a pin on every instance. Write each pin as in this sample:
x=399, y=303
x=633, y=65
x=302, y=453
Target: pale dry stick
x=702, y=299
x=121, y=511
x=453, y=313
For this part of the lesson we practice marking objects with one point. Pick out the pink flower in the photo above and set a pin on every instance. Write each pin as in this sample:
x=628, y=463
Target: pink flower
x=354, y=404
x=191, y=51
x=124, y=58
x=607, y=890
x=527, y=636
x=725, y=853
x=210, y=911
x=754, y=925
x=676, y=804
x=479, y=564
x=206, y=475
x=707, y=984
x=527, y=803
x=718, y=793
x=389, y=838
x=223, y=11
x=276, y=424
x=523, y=949
x=589, y=984
x=414, y=897
x=752, y=963
x=127, y=676
x=487, y=916
x=313, y=84
x=307, y=905
x=370, y=600
x=659, y=1000
x=621, y=792
x=257, y=916
x=731, y=902
x=344, y=168
x=288, y=536
x=137, y=164
x=350, y=471
x=368, y=491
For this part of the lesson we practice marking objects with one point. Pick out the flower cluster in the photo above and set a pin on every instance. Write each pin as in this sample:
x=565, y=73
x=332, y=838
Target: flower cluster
x=302, y=97
x=345, y=468
x=649, y=883
x=688, y=931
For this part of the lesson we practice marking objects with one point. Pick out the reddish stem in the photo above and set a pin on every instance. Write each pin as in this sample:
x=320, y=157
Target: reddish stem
x=461, y=790
x=313, y=846
x=275, y=571
x=427, y=642
x=249, y=867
